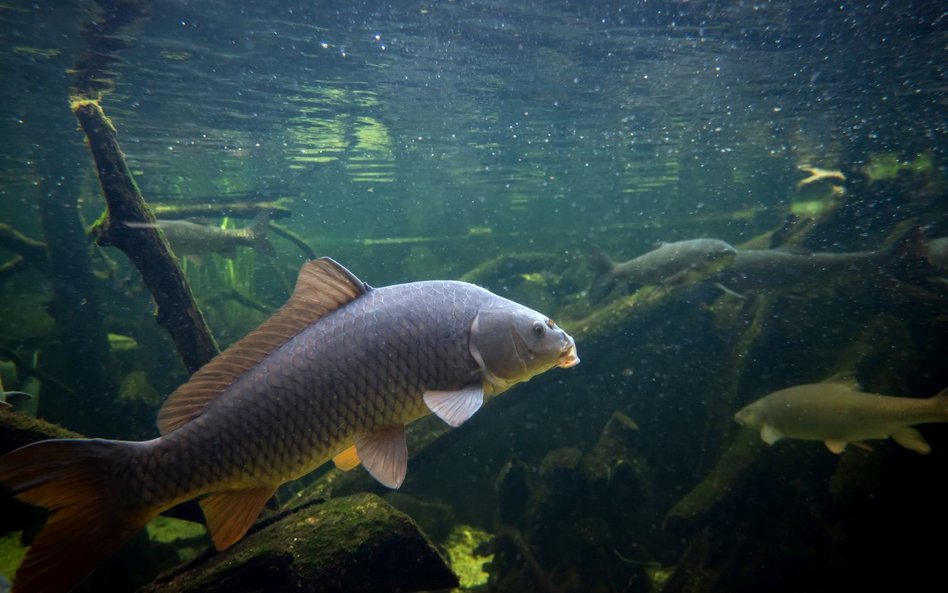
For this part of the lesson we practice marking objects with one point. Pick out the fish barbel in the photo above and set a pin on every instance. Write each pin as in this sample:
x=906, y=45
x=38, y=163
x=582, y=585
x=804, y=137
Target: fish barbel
x=336, y=373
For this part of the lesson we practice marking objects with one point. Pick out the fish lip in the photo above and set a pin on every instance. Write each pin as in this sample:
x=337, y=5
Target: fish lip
x=568, y=358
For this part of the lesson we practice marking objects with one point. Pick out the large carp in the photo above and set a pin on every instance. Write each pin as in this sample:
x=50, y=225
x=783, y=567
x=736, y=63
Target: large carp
x=336, y=373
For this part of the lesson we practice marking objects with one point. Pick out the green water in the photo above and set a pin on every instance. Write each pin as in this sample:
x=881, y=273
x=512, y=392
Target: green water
x=494, y=141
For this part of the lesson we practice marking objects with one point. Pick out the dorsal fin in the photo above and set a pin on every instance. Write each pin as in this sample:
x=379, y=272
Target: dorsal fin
x=323, y=286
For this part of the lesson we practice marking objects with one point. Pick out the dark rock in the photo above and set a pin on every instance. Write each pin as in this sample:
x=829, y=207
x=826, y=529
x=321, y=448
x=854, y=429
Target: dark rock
x=353, y=544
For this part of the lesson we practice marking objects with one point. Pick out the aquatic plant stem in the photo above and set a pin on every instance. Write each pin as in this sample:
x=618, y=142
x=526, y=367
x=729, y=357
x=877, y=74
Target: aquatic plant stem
x=177, y=311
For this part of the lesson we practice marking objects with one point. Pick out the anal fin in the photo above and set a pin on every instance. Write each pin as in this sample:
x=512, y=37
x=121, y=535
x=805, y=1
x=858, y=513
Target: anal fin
x=229, y=514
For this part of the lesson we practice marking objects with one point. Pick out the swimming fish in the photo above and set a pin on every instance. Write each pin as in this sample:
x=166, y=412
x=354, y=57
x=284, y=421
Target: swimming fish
x=194, y=241
x=669, y=264
x=837, y=414
x=778, y=270
x=336, y=374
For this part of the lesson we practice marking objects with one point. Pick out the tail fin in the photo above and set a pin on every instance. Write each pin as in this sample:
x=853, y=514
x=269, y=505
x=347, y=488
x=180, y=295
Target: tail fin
x=604, y=281
x=91, y=512
x=258, y=234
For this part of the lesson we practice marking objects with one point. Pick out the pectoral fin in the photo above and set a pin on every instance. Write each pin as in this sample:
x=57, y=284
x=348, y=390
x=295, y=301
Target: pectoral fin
x=230, y=514
x=384, y=453
x=836, y=446
x=455, y=407
x=769, y=434
x=913, y=440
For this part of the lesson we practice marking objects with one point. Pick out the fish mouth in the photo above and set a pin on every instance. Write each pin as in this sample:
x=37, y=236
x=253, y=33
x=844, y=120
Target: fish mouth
x=569, y=357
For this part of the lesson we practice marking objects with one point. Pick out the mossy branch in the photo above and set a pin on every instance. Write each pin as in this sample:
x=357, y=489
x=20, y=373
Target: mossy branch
x=177, y=311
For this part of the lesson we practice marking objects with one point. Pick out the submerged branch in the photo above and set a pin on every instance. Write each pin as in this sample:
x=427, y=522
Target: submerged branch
x=29, y=251
x=294, y=239
x=146, y=247
x=17, y=242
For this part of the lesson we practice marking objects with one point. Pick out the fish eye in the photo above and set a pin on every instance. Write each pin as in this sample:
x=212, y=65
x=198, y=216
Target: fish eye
x=538, y=329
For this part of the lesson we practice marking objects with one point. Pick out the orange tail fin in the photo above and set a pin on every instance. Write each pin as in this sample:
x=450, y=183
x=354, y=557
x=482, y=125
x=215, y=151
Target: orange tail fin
x=84, y=485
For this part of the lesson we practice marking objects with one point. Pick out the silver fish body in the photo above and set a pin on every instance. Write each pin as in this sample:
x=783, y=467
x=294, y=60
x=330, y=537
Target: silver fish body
x=777, y=270
x=763, y=270
x=193, y=240
x=670, y=264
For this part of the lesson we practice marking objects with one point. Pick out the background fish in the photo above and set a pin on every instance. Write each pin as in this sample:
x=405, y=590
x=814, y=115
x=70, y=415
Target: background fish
x=670, y=264
x=764, y=270
x=837, y=414
x=192, y=240
x=336, y=373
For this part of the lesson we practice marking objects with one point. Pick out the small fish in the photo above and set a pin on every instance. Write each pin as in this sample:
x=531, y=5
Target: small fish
x=778, y=270
x=335, y=374
x=837, y=414
x=194, y=241
x=669, y=264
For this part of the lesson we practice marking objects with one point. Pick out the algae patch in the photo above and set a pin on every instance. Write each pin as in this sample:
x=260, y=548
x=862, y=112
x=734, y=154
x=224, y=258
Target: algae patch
x=11, y=553
x=463, y=548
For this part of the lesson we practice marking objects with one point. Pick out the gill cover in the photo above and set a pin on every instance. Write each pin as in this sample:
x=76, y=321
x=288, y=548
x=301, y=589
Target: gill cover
x=513, y=344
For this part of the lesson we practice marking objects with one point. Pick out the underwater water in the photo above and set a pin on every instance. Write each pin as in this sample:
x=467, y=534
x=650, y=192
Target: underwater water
x=503, y=143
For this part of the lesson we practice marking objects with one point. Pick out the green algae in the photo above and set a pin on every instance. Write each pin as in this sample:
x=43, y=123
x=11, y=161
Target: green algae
x=467, y=561
x=11, y=553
